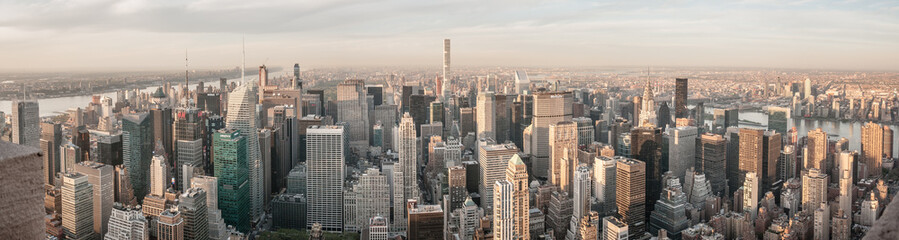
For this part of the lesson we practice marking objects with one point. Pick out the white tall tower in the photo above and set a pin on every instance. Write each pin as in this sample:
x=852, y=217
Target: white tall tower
x=604, y=186
x=242, y=116
x=647, y=107
x=846, y=159
x=325, y=160
x=751, y=194
x=158, y=175
x=408, y=156
x=447, y=92
x=503, y=212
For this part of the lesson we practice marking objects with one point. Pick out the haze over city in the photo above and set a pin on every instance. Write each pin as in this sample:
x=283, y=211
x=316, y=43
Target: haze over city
x=105, y=35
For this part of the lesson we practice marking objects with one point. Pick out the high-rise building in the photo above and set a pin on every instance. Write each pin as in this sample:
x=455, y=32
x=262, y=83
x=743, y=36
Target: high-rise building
x=503, y=117
x=681, y=149
x=493, y=160
x=846, y=161
x=231, y=169
x=726, y=118
x=751, y=153
x=646, y=146
x=841, y=224
x=424, y=221
x=192, y=204
x=670, y=214
x=817, y=149
x=486, y=115
x=585, y=131
x=51, y=138
x=447, y=75
x=352, y=109
x=711, y=150
x=771, y=148
x=77, y=206
x=289, y=211
x=189, y=131
x=872, y=148
x=159, y=175
x=680, y=98
x=604, y=186
x=631, y=195
x=580, y=192
x=161, y=118
x=242, y=118
x=814, y=188
x=563, y=137
x=457, y=191
x=170, y=225
x=549, y=108
x=614, y=229
x=216, y=225
x=126, y=223
x=751, y=193
x=26, y=123
x=522, y=83
x=100, y=176
x=372, y=195
x=503, y=211
x=137, y=141
x=407, y=150
x=517, y=175
x=647, y=107
x=822, y=222
x=109, y=148
x=325, y=160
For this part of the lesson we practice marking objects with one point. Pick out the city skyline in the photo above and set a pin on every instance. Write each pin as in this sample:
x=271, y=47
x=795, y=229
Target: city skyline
x=145, y=35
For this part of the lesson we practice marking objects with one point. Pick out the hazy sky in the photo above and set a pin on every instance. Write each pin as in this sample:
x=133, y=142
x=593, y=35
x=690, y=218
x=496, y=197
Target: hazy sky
x=55, y=35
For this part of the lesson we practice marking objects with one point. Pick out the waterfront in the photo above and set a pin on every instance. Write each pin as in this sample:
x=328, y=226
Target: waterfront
x=55, y=106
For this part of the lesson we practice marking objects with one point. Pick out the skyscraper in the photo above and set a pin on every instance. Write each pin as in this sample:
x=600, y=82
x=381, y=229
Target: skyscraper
x=372, y=195
x=493, y=160
x=170, y=225
x=457, y=191
x=549, y=108
x=646, y=146
x=100, y=177
x=352, y=108
x=817, y=149
x=26, y=128
x=563, y=138
x=447, y=75
x=189, y=131
x=486, y=115
x=231, y=168
x=647, y=107
x=517, y=175
x=681, y=149
x=847, y=159
x=631, y=195
x=51, y=138
x=778, y=118
x=408, y=157
x=77, y=206
x=751, y=192
x=614, y=229
x=192, y=204
x=159, y=175
x=585, y=131
x=814, y=188
x=216, y=225
x=711, y=150
x=424, y=221
x=872, y=148
x=522, y=83
x=503, y=211
x=751, y=153
x=242, y=118
x=670, y=214
x=604, y=187
x=126, y=223
x=325, y=159
x=680, y=98
x=137, y=141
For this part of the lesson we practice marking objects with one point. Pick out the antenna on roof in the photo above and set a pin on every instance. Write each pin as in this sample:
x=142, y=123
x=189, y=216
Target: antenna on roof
x=186, y=68
x=244, y=64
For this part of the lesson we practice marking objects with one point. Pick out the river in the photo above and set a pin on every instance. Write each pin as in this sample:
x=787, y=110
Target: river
x=848, y=130
x=55, y=106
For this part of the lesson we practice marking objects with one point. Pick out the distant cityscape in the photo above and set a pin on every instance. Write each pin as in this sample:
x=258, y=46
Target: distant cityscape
x=377, y=153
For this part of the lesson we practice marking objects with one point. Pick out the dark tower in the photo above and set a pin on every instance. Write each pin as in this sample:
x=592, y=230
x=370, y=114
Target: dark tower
x=680, y=98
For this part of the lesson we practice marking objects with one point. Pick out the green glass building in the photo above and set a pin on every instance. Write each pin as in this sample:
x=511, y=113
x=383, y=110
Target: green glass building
x=229, y=151
x=137, y=144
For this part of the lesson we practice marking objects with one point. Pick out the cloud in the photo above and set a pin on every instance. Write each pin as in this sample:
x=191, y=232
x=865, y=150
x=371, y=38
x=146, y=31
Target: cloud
x=340, y=32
